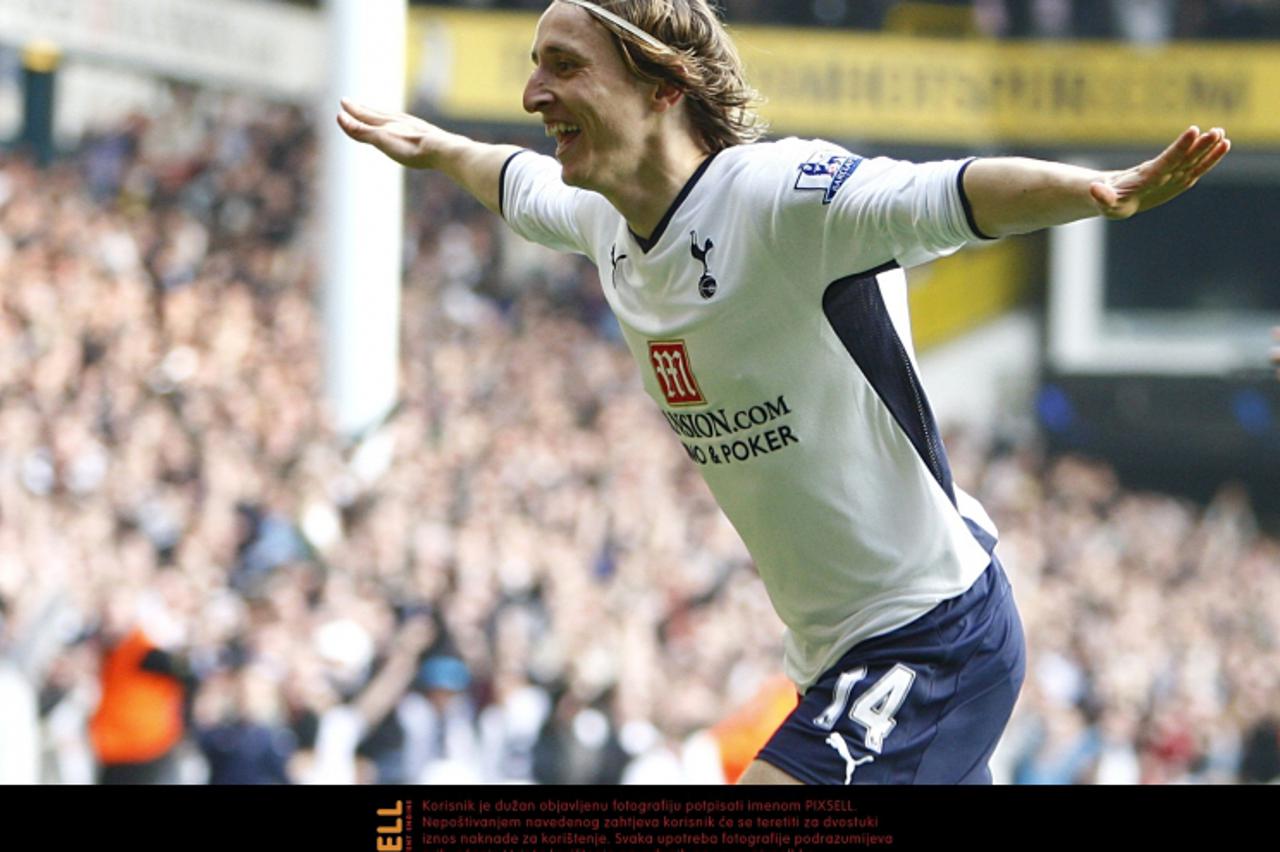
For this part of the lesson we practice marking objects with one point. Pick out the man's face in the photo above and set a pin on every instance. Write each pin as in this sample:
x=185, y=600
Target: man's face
x=598, y=113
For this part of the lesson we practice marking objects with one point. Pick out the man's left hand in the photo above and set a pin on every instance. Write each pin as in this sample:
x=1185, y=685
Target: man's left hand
x=1121, y=194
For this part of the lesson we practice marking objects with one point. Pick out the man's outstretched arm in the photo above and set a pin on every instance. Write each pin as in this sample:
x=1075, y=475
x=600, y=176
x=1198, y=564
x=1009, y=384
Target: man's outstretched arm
x=418, y=144
x=1012, y=195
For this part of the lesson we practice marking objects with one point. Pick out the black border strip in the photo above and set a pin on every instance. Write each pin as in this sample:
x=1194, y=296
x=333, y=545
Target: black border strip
x=348, y=817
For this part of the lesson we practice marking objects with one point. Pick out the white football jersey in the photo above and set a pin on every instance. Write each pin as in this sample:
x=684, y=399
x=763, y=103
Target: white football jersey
x=768, y=315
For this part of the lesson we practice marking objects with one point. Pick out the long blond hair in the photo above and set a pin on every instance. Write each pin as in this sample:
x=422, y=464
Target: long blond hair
x=690, y=49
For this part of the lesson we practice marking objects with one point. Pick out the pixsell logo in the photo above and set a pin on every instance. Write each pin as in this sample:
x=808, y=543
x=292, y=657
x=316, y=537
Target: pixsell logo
x=391, y=829
x=670, y=360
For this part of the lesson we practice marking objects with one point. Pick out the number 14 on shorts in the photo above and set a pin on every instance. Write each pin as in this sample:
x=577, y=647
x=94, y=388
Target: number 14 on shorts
x=874, y=709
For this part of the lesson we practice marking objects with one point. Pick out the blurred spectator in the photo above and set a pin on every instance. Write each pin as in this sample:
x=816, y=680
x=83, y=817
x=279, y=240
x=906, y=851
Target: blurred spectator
x=442, y=745
x=1260, y=763
x=139, y=721
x=578, y=745
x=739, y=735
x=240, y=730
x=509, y=729
x=19, y=731
x=347, y=703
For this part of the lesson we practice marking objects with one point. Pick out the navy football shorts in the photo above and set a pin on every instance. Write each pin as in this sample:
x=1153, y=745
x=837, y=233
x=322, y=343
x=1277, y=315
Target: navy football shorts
x=923, y=704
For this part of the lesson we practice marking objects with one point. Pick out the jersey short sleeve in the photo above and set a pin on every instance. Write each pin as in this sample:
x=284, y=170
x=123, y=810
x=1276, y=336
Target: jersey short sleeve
x=858, y=213
x=541, y=208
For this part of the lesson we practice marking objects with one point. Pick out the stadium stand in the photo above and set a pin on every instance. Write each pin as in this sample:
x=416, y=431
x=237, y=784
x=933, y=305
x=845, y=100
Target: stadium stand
x=165, y=467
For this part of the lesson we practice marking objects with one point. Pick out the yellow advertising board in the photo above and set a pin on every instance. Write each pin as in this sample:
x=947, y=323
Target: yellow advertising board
x=849, y=85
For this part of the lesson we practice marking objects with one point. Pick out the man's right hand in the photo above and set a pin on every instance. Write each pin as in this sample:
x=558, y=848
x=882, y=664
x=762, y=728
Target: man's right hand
x=418, y=144
x=408, y=140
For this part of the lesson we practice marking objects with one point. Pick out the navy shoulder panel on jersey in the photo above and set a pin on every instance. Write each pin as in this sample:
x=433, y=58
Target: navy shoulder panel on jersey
x=858, y=315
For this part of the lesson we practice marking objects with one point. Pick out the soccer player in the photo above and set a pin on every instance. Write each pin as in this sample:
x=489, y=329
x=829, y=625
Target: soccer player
x=759, y=287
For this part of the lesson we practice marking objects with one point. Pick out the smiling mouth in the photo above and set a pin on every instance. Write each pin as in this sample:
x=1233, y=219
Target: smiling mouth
x=564, y=134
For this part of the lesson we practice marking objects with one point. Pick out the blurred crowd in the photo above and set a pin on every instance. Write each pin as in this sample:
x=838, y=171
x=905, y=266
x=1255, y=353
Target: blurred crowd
x=1133, y=20
x=463, y=583
x=1151, y=627
x=520, y=577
